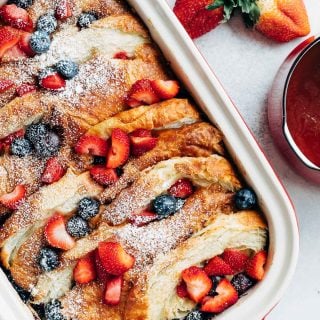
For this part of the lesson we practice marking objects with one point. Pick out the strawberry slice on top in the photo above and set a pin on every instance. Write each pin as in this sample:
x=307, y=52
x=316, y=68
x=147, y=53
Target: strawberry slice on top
x=24, y=44
x=218, y=267
x=84, y=271
x=5, y=85
x=53, y=171
x=198, y=283
x=16, y=17
x=142, y=141
x=143, y=218
x=104, y=176
x=227, y=296
x=92, y=145
x=119, y=150
x=114, y=258
x=13, y=199
x=183, y=188
x=63, y=10
x=9, y=37
x=25, y=88
x=236, y=259
x=56, y=233
x=165, y=89
x=255, y=267
x=113, y=291
x=52, y=81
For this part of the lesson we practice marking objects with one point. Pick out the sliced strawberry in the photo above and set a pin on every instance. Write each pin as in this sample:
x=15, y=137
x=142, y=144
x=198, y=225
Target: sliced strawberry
x=182, y=290
x=52, y=81
x=53, y=171
x=141, y=133
x=255, y=266
x=133, y=103
x=236, y=259
x=13, y=54
x=9, y=37
x=93, y=145
x=5, y=85
x=16, y=17
x=183, y=188
x=25, y=88
x=63, y=10
x=103, y=175
x=227, y=296
x=143, y=218
x=56, y=233
x=114, y=258
x=84, y=271
x=8, y=140
x=165, y=89
x=217, y=267
x=141, y=145
x=198, y=283
x=121, y=55
x=120, y=148
x=143, y=92
x=102, y=274
x=13, y=199
x=113, y=291
x=24, y=44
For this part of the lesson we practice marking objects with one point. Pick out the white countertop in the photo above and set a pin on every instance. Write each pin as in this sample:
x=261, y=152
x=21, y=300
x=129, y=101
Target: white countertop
x=246, y=63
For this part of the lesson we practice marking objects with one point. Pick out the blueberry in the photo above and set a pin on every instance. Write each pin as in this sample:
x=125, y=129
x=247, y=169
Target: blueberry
x=48, y=259
x=164, y=205
x=241, y=283
x=88, y=208
x=21, y=147
x=85, y=19
x=196, y=315
x=25, y=4
x=99, y=160
x=77, y=227
x=36, y=131
x=48, y=145
x=52, y=310
x=67, y=68
x=245, y=199
x=40, y=42
x=215, y=281
x=47, y=23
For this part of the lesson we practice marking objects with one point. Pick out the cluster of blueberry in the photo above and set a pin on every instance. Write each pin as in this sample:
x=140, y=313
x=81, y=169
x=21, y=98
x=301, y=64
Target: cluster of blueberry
x=39, y=138
x=77, y=226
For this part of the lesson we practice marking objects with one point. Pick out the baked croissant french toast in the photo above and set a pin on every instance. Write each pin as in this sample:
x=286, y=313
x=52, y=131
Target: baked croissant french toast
x=113, y=185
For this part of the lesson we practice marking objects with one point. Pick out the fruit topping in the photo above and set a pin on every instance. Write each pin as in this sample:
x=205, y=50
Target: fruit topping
x=21, y=147
x=121, y=55
x=25, y=88
x=24, y=44
x=165, y=205
x=13, y=199
x=63, y=10
x=102, y=274
x=8, y=140
x=84, y=271
x=51, y=80
x=77, y=227
x=182, y=290
x=48, y=145
x=99, y=160
x=198, y=283
x=141, y=145
x=181, y=189
x=92, y=145
x=113, y=291
x=52, y=310
x=236, y=259
x=53, y=171
x=245, y=199
x=36, y=131
x=56, y=233
x=114, y=258
x=215, y=281
x=67, y=68
x=241, y=283
x=13, y=54
x=142, y=92
x=40, y=42
x=226, y=297
x=217, y=267
x=196, y=315
x=118, y=153
x=16, y=17
x=5, y=85
x=9, y=37
x=47, y=23
x=133, y=103
x=141, y=133
x=25, y=4
x=165, y=89
x=85, y=19
x=143, y=218
x=103, y=175
x=88, y=208
x=255, y=267
x=48, y=259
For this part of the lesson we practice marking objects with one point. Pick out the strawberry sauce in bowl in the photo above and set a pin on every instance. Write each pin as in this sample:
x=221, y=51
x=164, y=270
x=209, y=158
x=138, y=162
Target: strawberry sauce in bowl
x=294, y=109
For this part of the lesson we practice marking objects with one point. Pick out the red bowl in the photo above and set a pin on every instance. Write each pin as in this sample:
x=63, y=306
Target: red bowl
x=287, y=118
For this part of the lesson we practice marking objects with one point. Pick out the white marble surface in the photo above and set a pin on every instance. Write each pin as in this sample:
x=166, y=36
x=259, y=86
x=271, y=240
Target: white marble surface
x=246, y=63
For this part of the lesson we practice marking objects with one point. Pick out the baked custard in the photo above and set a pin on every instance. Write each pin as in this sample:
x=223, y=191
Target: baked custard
x=117, y=198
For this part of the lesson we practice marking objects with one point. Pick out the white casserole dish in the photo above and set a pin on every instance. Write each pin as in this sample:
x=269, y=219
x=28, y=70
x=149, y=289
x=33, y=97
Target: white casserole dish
x=193, y=71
